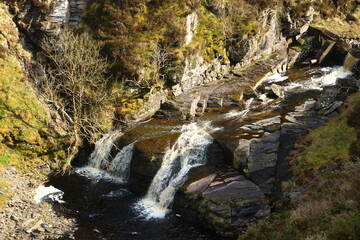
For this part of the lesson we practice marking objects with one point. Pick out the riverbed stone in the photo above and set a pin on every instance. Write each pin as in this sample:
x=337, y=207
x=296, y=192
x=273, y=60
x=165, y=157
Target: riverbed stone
x=227, y=204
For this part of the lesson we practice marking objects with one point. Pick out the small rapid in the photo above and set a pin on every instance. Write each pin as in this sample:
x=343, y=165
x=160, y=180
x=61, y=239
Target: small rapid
x=328, y=77
x=188, y=151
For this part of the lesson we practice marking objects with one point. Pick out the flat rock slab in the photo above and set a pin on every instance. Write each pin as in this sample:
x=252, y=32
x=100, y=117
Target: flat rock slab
x=201, y=184
x=240, y=189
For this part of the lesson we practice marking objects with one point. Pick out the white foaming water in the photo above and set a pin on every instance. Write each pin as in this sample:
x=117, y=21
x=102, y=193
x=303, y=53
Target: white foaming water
x=277, y=77
x=235, y=113
x=188, y=151
x=330, y=77
x=100, y=166
x=120, y=166
x=241, y=114
x=99, y=174
x=103, y=146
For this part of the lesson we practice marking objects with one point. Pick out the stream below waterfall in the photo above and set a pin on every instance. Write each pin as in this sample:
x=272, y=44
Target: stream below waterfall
x=104, y=210
x=107, y=207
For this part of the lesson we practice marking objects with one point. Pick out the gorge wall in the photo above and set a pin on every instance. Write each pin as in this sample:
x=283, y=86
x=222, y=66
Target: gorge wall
x=175, y=60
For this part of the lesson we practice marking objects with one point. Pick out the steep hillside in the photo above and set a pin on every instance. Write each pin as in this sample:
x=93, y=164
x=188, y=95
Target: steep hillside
x=27, y=133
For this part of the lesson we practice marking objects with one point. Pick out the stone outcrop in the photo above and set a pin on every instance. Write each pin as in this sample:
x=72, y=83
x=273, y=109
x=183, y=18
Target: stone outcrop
x=197, y=73
x=222, y=199
x=48, y=18
x=259, y=45
x=76, y=11
x=229, y=90
x=323, y=48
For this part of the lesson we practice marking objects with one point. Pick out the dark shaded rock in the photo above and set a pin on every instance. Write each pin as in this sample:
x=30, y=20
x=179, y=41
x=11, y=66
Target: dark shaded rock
x=260, y=164
x=223, y=200
x=289, y=133
x=215, y=154
x=147, y=159
x=326, y=98
x=169, y=110
x=333, y=107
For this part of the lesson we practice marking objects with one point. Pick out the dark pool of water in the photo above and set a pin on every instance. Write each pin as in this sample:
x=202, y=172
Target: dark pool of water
x=103, y=210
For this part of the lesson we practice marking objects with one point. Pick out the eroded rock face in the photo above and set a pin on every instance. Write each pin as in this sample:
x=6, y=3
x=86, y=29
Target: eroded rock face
x=229, y=90
x=48, y=18
x=259, y=45
x=197, y=73
x=147, y=159
x=192, y=21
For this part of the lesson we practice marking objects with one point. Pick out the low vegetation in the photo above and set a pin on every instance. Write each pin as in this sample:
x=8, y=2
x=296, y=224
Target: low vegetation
x=28, y=140
x=25, y=132
x=329, y=145
x=329, y=209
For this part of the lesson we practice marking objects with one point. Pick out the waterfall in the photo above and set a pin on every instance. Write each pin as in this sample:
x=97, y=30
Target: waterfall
x=103, y=146
x=349, y=62
x=188, y=151
x=102, y=167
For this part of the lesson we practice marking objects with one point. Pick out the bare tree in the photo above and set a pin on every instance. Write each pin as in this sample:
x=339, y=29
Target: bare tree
x=75, y=83
x=159, y=60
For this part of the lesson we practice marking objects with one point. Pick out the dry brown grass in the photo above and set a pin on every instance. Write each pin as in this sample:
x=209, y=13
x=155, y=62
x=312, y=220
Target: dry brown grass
x=319, y=236
x=341, y=27
x=310, y=210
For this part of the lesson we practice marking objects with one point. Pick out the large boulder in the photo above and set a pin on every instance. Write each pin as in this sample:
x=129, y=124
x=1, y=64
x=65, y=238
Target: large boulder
x=222, y=199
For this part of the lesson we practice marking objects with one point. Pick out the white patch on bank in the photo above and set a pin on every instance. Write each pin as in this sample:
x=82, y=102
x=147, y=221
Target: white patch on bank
x=191, y=26
x=49, y=192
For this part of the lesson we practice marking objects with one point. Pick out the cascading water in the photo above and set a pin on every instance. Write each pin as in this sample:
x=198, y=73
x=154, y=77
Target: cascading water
x=328, y=77
x=241, y=114
x=100, y=165
x=102, y=150
x=188, y=151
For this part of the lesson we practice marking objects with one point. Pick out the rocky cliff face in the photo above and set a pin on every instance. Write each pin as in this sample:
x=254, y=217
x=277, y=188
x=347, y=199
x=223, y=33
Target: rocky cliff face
x=49, y=18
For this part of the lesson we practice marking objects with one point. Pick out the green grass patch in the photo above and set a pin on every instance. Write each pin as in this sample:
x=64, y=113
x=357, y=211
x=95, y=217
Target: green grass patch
x=328, y=209
x=328, y=144
x=5, y=158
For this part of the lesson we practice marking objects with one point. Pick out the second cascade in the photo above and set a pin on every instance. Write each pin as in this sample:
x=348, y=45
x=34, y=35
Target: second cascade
x=189, y=151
